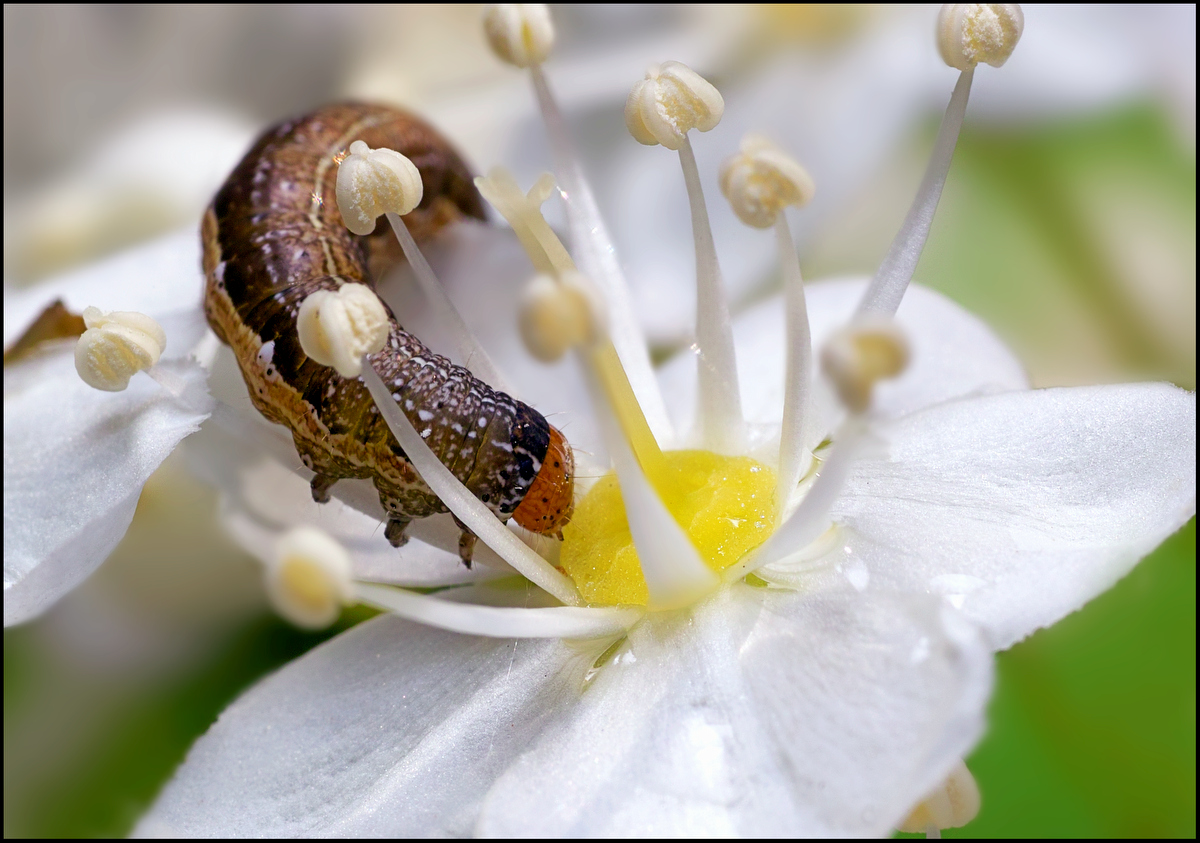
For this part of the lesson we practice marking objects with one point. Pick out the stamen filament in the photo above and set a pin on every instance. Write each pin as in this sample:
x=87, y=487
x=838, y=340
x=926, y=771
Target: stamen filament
x=675, y=574
x=469, y=509
x=722, y=427
x=499, y=622
x=547, y=254
x=607, y=370
x=891, y=280
x=811, y=517
x=793, y=452
x=472, y=353
x=598, y=258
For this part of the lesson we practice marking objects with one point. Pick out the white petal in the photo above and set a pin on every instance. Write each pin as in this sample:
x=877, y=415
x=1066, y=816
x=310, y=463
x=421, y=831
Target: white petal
x=953, y=354
x=768, y=714
x=392, y=729
x=1020, y=508
x=75, y=460
x=160, y=277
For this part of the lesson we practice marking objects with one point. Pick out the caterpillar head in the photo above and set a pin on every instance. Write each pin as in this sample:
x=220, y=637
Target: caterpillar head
x=550, y=501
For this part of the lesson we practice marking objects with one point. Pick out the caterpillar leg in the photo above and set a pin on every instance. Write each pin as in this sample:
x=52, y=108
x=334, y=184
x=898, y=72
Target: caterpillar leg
x=321, y=483
x=466, y=543
x=395, y=529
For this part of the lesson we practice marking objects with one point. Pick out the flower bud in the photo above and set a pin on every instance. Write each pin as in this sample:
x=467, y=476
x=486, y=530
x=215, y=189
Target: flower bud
x=761, y=180
x=116, y=346
x=309, y=580
x=520, y=33
x=862, y=353
x=337, y=328
x=969, y=33
x=557, y=314
x=671, y=101
x=952, y=804
x=371, y=182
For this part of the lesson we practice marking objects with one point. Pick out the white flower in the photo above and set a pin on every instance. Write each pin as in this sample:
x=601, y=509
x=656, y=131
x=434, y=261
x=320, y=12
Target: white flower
x=828, y=704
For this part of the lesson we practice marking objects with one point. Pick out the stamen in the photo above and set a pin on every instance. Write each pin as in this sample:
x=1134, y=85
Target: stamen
x=336, y=328
x=116, y=346
x=473, y=355
x=675, y=574
x=549, y=256
x=661, y=109
x=557, y=314
x=967, y=34
x=866, y=351
x=371, y=182
x=811, y=518
x=496, y=622
x=891, y=280
x=465, y=506
x=597, y=256
x=759, y=182
x=308, y=581
x=953, y=804
x=519, y=33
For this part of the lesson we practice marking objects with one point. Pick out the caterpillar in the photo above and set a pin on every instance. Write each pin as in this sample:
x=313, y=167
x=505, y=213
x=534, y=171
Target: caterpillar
x=273, y=236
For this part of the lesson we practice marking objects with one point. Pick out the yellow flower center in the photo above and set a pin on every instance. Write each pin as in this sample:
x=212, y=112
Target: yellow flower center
x=726, y=505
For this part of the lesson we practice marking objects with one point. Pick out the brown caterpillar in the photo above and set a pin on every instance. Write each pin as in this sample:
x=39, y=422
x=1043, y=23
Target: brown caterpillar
x=273, y=235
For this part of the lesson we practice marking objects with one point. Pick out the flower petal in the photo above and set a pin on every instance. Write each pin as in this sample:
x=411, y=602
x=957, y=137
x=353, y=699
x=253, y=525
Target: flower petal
x=953, y=354
x=75, y=460
x=391, y=729
x=1022, y=507
x=768, y=713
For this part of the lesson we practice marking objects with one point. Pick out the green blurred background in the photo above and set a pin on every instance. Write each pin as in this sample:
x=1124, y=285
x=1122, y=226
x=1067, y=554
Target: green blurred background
x=1073, y=235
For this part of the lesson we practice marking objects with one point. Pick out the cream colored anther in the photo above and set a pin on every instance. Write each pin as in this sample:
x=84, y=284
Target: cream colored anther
x=337, y=328
x=970, y=33
x=761, y=180
x=557, y=314
x=953, y=804
x=864, y=352
x=371, y=182
x=671, y=101
x=116, y=346
x=521, y=34
x=309, y=580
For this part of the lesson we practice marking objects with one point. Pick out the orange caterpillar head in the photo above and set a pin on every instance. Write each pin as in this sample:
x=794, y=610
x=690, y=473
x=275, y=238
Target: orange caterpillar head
x=550, y=501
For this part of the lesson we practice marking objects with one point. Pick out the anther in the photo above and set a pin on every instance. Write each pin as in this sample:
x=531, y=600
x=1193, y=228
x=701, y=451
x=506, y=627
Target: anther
x=116, y=346
x=337, y=328
x=761, y=180
x=371, y=182
x=954, y=803
x=519, y=33
x=557, y=314
x=861, y=354
x=671, y=101
x=970, y=33
x=309, y=580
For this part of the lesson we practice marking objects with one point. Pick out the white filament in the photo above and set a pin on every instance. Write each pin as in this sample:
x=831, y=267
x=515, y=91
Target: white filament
x=473, y=355
x=811, y=517
x=891, y=280
x=721, y=424
x=500, y=622
x=465, y=506
x=597, y=258
x=793, y=452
